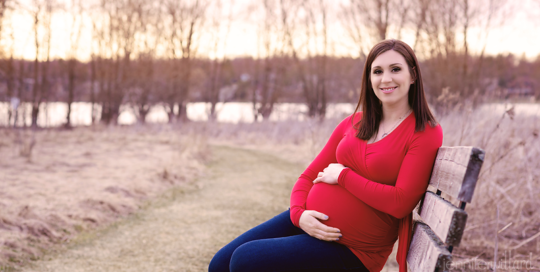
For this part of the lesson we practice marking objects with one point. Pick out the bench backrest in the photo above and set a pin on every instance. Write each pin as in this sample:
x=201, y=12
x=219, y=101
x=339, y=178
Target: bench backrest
x=439, y=224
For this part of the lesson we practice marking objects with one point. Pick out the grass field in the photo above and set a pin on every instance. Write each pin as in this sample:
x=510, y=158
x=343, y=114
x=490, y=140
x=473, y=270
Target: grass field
x=65, y=192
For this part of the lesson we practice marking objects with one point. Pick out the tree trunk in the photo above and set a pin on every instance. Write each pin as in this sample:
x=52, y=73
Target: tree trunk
x=35, y=99
x=10, y=87
x=169, y=108
x=92, y=94
x=143, y=112
x=184, y=90
x=34, y=115
x=71, y=65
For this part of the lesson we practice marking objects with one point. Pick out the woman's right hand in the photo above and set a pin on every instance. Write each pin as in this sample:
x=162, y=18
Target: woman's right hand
x=309, y=222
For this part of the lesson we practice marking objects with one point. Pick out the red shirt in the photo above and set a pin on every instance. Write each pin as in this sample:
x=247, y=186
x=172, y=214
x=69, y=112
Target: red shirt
x=375, y=195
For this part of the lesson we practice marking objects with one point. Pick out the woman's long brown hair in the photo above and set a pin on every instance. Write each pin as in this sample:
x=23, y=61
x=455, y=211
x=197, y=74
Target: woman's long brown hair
x=371, y=105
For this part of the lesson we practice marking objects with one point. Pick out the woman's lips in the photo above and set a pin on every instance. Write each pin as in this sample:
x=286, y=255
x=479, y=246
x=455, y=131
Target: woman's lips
x=388, y=90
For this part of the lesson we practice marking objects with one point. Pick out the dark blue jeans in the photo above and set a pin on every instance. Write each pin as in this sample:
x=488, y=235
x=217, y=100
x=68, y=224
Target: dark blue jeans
x=278, y=245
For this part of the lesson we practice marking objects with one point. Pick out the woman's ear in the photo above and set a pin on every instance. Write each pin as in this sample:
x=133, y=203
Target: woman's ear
x=413, y=74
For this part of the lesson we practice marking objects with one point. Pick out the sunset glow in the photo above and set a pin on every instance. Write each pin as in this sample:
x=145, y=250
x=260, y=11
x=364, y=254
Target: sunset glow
x=518, y=35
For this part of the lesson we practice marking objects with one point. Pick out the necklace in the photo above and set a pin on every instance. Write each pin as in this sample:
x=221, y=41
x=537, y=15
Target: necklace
x=397, y=123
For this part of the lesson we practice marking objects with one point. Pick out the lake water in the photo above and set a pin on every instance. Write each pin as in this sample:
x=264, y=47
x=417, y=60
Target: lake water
x=53, y=114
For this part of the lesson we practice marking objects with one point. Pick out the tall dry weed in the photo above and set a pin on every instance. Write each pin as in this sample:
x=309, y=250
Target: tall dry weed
x=25, y=141
x=194, y=143
x=504, y=222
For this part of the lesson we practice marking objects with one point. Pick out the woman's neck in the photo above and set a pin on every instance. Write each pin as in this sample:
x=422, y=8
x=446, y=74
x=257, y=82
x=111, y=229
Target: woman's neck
x=395, y=112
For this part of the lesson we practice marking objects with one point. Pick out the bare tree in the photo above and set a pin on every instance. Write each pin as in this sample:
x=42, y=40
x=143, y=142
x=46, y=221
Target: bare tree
x=420, y=10
x=116, y=38
x=184, y=21
x=269, y=79
x=94, y=86
x=370, y=21
x=100, y=62
x=123, y=28
x=311, y=29
x=495, y=15
x=101, y=67
x=450, y=63
x=75, y=9
x=41, y=12
x=149, y=31
x=4, y=5
x=8, y=65
x=352, y=21
x=219, y=23
x=10, y=87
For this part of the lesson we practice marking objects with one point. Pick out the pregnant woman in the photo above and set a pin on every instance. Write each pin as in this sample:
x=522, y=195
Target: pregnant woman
x=355, y=199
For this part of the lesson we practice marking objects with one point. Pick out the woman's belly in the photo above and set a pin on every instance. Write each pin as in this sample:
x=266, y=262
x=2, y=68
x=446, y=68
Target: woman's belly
x=362, y=226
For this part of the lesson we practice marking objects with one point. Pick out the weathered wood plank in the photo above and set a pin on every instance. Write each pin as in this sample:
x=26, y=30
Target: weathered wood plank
x=427, y=253
x=471, y=176
x=456, y=171
x=445, y=219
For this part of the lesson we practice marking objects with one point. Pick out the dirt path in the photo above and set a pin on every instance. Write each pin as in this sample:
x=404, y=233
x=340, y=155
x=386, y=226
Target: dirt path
x=181, y=232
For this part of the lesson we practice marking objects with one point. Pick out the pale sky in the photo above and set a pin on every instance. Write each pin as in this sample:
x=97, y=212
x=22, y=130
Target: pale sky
x=519, y=35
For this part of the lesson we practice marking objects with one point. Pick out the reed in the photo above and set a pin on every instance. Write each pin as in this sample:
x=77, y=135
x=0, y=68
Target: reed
x=502, y=217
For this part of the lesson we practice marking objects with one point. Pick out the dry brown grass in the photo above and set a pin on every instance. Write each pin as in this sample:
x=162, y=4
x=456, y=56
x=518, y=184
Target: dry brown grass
x=503, y=217
x=76, y=180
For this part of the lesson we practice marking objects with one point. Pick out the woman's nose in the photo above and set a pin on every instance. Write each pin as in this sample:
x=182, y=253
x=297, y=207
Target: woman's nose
x=386, y=77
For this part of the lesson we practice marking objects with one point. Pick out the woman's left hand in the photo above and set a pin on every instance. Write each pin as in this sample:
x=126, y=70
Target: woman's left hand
x=330, y=174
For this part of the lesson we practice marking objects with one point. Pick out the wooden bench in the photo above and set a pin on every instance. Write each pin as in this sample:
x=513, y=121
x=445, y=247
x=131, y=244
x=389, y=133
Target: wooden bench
x=439, y=224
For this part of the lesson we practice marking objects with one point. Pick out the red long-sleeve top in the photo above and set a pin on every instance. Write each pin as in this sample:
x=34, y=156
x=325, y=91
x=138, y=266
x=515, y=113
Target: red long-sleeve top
x=376, y=193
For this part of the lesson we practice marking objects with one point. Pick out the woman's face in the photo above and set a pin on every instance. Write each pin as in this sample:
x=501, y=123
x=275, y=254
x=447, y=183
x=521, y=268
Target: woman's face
x=391, y=78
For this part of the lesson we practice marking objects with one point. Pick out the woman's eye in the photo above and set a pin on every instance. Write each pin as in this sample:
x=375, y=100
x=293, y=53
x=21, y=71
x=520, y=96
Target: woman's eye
x=377, y=71
x=397, y=69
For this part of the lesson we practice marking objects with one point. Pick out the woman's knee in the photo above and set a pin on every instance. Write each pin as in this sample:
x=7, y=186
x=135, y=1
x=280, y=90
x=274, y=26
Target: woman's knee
x=220, y=261
x=245, y=258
